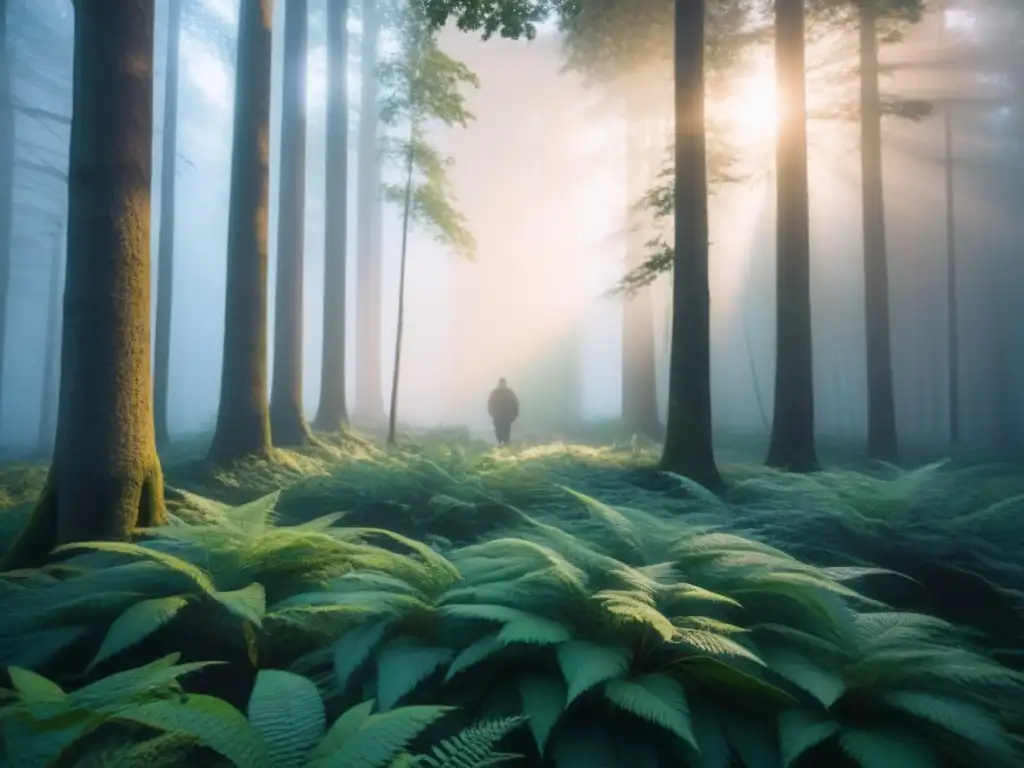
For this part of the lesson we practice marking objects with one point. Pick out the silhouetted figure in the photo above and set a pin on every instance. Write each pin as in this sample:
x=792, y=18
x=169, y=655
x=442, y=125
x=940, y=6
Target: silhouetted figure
x=503, y=408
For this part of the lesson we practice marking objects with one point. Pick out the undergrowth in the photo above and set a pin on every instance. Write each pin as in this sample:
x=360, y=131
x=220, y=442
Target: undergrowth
x=450, y=605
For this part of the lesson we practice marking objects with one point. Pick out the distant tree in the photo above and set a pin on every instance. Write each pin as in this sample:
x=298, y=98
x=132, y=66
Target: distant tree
x=49, y=392
x=243, y=418
x=288, y=425
x=369, y=405
x=423, y=86
x=792, y=437
x=105, y=478
x=332, y=413
x=165, y=243
x=6, y=184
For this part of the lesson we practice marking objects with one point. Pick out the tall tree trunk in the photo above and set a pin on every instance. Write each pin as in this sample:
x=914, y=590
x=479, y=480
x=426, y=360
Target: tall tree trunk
x=50, y=392
x=332, y=413
x=6, y=186
x=792, y=440
x=882, y=443
x=243, y=418
x=105, y=478
x=639, y=381
x=287, y=423
x=688, y=440
x=396, y=373
x=369, y=399
x=165, y=245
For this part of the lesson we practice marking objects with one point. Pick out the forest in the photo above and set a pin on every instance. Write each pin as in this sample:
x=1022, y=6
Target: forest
x=749, y=267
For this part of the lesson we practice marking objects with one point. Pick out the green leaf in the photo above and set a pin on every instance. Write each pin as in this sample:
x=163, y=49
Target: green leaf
x=543, y=704
x=658, y=699
x=801, y=730
x=344, y=728
x=534, y=630
x=886, y=749
x=136, y=624
x=476, y=652
x=211, y=721
x=966, y=720
x=287, y=712
x=248, y=603
x=585, y=665
x=380, y=738
x=34, y=688
x=354, y=647
x=196, y=575
x=153, y=679
x=824, y=685
x=403, y=665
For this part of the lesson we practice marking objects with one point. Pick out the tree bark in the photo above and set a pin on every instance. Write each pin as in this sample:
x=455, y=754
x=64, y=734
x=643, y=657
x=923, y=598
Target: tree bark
x=6, y=187
x=288, y=425
x=165, y=245
x=792, y=440
x=882, y=442
x=369, y=406
x=639, y=381
x=332, y=413
x=243, y=418
x=105, y=478
x=49, y=393
x=688, y=439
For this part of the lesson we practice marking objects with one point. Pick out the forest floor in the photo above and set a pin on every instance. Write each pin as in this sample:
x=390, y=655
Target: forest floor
x=280, y=544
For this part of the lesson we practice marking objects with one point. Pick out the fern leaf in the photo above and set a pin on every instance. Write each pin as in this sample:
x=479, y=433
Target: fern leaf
x=35, y=688
x=534, y=630
x=355, y=647
x=473, y=747
x=26, y=745
x=658, y=699
x=255, y=516
x=34, y=649
x=381, y=738
x=120, y=688
x=136, y=624
x=967, y=720
x=287, y=712
x=350, y=721
x=196, y=575
x=824, y=685
x=878, y=749
x=543, y=701
x=585, y=665
x=211, y=721
x=475, y=653
x=248, y=603
x=801, y=730
x=402, y=666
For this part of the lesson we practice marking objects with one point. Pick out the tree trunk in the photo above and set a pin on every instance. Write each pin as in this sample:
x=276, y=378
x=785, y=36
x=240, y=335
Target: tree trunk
x=882, y=443
x=792, y=440
x=369, y=399
x=395, y=376
x=639, y=381
x=105, y=478
x=165, y=245
x=6, y=186
x=49, y=393
x=688, y=440
x=287, y=423
x=243, y=418
x=332, y=413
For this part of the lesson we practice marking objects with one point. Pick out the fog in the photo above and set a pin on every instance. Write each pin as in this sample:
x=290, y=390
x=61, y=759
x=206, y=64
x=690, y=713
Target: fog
x=541, y=176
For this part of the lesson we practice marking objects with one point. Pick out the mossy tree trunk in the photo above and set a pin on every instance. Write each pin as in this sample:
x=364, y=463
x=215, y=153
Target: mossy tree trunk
x=792, y=440
x=332, y=413
x=165, y=244
x=369, y=405
x=688, y=440
x=243, y=418
x=288, y=425
x=882, y=443
x=6, y=186
x=105, y=478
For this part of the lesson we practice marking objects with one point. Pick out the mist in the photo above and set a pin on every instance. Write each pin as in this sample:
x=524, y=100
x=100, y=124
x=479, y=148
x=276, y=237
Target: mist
x=542, y=178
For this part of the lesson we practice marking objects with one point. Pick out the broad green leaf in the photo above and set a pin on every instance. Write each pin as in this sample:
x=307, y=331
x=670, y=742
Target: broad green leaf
x=287, y=712
x=136, y=624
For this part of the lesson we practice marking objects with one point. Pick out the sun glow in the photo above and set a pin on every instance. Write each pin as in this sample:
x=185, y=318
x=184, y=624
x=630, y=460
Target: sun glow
x=750, y=110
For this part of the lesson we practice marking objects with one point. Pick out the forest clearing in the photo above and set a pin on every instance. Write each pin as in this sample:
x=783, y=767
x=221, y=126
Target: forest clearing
x=749, y=497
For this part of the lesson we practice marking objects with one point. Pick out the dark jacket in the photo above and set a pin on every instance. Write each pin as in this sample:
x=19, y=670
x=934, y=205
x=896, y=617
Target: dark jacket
x=503, y=406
